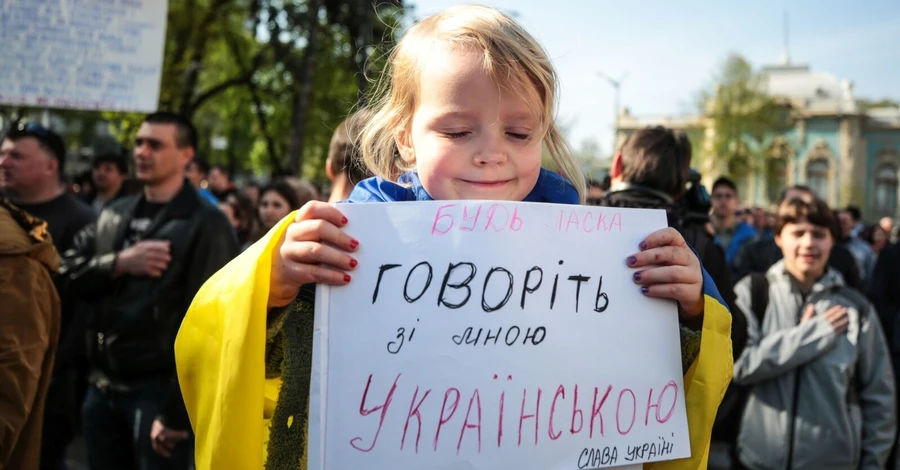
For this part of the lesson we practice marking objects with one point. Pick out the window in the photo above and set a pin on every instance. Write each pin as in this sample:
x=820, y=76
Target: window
x=886, y=188
x=776, y=178
x=817, y=178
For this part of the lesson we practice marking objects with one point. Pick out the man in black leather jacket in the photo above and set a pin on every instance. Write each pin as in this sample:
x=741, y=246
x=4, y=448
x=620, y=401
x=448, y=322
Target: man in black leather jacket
x=140, y=265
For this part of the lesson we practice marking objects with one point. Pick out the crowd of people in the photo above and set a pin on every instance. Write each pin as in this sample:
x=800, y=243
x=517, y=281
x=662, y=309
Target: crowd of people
x=813, y=304
x=101, y=277
x=132, y=247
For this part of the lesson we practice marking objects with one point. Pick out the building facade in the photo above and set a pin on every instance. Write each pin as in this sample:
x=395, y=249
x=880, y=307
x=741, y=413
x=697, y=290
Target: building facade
x=846, y=154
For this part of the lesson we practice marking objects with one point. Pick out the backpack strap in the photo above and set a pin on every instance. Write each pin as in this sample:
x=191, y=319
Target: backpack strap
x=759, y=296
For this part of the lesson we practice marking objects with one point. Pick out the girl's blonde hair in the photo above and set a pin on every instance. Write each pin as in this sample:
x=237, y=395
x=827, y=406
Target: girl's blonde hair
x=512, y=57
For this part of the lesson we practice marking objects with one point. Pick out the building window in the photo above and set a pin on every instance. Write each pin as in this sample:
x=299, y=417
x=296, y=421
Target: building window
x=817, y=178
x=886, y=185
x=776, y=178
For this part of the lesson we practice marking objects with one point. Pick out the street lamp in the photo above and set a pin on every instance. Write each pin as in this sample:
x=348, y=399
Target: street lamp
x=617, y=87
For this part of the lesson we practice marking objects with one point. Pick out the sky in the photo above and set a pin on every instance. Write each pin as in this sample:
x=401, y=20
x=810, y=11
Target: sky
x=668, y=50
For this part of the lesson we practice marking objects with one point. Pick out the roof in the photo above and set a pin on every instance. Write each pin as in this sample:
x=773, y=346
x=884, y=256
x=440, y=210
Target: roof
x=817, y=92
x=678, y=122
x=884, y=116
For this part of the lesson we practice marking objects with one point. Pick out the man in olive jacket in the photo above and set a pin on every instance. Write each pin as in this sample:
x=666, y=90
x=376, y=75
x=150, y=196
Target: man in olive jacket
x=29, y=331
x=140, y=265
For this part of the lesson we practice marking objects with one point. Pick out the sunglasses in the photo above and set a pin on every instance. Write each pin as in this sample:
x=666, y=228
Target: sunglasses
x=41, y=133
x=31, y=128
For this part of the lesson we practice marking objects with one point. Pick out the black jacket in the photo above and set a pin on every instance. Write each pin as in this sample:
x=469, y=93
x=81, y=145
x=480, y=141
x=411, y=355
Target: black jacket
x=121, y=194
x=711, y=255
x=131, y=332
x=884, y=291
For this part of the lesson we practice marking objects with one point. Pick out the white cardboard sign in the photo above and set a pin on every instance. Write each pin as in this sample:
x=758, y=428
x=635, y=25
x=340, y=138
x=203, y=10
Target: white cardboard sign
x=485, y=335
x=85, y=54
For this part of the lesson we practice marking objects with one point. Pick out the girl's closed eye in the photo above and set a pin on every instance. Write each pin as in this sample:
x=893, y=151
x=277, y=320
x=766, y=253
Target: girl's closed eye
x=519, y=135
x=456, y=135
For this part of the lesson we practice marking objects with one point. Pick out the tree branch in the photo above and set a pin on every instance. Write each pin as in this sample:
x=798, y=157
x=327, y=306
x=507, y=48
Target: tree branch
x=215, y=90
x=261, y=118
x=198, y=54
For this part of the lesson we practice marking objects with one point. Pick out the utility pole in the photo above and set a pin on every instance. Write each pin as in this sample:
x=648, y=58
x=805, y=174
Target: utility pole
x=786, y=55
x=617, y=88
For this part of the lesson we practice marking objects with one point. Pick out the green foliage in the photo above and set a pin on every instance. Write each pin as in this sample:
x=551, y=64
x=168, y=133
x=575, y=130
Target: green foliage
x=743, y=116
x=866, y=105
x=273, y=77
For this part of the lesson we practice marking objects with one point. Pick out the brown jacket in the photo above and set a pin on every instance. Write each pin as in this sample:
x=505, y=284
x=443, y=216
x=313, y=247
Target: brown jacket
x=29, y=331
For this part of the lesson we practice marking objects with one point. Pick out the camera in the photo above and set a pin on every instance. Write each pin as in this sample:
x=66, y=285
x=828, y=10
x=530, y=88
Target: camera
x=696, y=203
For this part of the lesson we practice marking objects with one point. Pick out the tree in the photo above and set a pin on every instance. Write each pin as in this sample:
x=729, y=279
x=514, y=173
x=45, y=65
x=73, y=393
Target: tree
x=591, y=159
x=274, y=77
x=866, y=105
x=742, y=119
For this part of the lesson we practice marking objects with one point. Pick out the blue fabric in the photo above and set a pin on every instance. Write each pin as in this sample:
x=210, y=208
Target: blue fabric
x=550, y=187
x=210, y=198
x=743, y=232
x=709, y=286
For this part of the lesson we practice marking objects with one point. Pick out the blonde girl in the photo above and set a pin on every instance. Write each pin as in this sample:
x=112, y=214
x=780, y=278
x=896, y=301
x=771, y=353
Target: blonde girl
x=468, y=100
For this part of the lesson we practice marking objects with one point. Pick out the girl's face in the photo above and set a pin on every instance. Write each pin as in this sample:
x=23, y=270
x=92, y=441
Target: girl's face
x=272, y=208
x=469, y=138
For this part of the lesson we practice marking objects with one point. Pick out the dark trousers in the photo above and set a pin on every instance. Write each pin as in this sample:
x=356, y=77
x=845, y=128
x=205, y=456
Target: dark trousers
x=117, y=431
x=60, y=419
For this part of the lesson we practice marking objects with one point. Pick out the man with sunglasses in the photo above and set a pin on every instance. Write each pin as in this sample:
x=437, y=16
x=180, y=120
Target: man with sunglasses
x=32, y=160
x=141, y=265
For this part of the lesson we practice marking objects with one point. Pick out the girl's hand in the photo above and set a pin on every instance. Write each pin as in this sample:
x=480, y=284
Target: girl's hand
x=671, y=270
x=313, y=249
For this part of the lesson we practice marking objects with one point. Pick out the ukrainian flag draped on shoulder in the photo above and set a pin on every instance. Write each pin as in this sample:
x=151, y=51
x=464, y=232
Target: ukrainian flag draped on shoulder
x=706, y=380
x=220, y=352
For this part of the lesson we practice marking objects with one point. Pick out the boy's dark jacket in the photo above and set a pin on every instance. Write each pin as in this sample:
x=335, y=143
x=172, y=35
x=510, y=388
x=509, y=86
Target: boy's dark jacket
x=228, y=335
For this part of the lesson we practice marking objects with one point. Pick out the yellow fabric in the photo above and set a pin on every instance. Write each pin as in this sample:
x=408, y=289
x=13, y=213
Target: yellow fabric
x=220, y=352
x=220, y=356
x=705, y=384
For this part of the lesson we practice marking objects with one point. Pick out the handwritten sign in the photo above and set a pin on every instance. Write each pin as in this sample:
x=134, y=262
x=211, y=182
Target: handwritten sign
x=82, y=54
x=484, y=335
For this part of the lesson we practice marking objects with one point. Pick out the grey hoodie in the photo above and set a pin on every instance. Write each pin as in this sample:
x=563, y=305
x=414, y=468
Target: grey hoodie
x=836, y=391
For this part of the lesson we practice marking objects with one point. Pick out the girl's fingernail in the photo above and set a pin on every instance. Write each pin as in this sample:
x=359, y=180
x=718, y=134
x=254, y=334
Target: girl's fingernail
x=354, y=244
x=631, y=260
x=642, y=245
x=637, y=276
x=344, y=221
x=644, y=289
x=346, y=278
x=353, y=263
